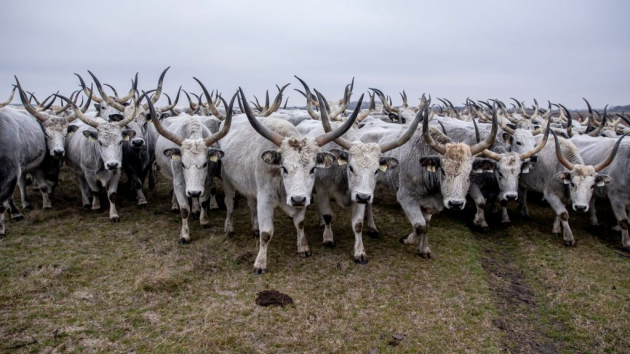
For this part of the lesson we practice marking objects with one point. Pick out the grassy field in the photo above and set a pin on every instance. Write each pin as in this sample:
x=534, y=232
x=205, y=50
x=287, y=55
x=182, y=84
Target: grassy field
x=72, y=282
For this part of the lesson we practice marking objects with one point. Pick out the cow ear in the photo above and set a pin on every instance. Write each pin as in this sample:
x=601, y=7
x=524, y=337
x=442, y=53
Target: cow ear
x=341, y=155
x=97, y=107
x=116, y=117
x=483, y=165
x=174, y=153
x=72, y=129
x=393, y=117
x=215, y=154
x=325, y=160
x=272, y=157
x=403, y=120
x=533, y=159
x=91, y=135
x=432, y=163
x=128, y=134
x=526, y=166
x=602, y=180
x=508, y=138
x=565, y=177
x=387, y=162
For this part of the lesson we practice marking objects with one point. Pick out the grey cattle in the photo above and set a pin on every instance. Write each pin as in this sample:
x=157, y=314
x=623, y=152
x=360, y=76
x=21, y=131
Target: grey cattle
x=565, y=180
x=183, y=152
x=272, y=165
x=351, y=181
x=425, y=183
x=95, y=157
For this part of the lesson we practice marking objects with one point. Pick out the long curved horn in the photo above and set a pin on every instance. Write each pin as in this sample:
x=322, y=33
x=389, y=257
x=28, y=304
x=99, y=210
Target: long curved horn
x=225, y=126
x=429, y=139
x=309, y=99
x=47, y=106
x=539, y=147
x=368, y=110
x=261, y=129
x=326, y=124
x=240, y=103
x=610, y=157
x=285, y=103
x=477, y=148
x=403, y=95
x=569, y=120
x=132, y=91
x=422, y=114
x=73, y=96
x=85, y=89
x=78, y=114
x=387, y=106
x=211, y=105
x=158, y=91
x=601, y=126
x=10, y=98
x=160, y=128
x=561, y=158
x=276, y=102
x=113, y=90
x=72, y=117
x=330, y=136
x=169, y=103
x=41, y=105
x=342, y=108
x=27, y=105
x=171, y=106
x=190, y=103
x=107, y=99
x=133, y=115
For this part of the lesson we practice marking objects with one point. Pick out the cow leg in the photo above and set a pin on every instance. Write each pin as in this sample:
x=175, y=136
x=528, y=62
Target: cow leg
x=3, y=209
x=593, y=212
x=412, y=210
x=358, y=212
x=562, y=218
x=505, y=217
x=480, y=203
x=184, y=210
x=619, y=208
x=151, y=173
x=213, y=197
x=196, y=208
x=251, y=202
x=265, y=220
x=228, y=189
x=16, y=215
x=204, y=221
x=85, y=192
x=95, y=189
x=302, y=243
x=111, y=195
x=325, y=211
x=423, y=248
x=23, y=197
x=174, y=203
x=44, y=189
x=142, y=200
x=371, y=230
x=522, y=205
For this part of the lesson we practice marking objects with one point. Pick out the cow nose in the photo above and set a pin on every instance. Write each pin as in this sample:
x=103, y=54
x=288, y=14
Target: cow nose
x=511, y=196
x=455, y=204
x=112, y=165
x=363, y=198
x=298, y=200
x=58, y=152
x=580, y=207
x=137, y=143
x=194, y=194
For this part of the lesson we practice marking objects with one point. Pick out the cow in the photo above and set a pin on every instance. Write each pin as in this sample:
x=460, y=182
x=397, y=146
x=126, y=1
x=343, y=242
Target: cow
x=284, y=178
x=352, y=180
x=183, y=153
x=565, y=180
x=94, y=154
x=424, y=183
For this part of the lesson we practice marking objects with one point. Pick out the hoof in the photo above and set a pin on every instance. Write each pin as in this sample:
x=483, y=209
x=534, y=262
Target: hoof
x=259, y=271
x=256, y=234
x=569, y=243
x=362, y=259
x=506, y=222
x=205, y=226
x=329, y=244
x=230, y=234
x=27, y=207
x=373, y=234
x=175, y=210
x=143, y=206
x=18, y=218
x=114, y=219
x=183, y=241
x=425, y=255
x=304, y=254
x=402, y=240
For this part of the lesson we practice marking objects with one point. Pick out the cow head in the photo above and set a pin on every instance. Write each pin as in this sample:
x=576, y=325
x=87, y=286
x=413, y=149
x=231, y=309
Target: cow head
x=194, y=151
x=455, y=162
x=582, y=179
x=298, y=157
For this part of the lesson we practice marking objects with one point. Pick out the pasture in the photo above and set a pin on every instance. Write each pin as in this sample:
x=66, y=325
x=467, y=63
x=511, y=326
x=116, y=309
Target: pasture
x=71, y=281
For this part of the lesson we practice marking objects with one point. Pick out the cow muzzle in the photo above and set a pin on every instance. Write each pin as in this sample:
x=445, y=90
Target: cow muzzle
x=58, y=152
x=455, y=204
x=363, y=198
x=193, y=194
x=298, y=200
x=137, y=143
x=112, y=165
x=580, y=207
x=510, y=196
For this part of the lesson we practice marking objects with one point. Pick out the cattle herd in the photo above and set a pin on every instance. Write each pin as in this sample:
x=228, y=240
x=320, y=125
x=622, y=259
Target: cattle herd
x=430, y=156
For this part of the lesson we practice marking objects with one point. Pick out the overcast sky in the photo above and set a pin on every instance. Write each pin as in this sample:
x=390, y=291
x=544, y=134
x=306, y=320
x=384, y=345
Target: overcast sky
x=556, y=50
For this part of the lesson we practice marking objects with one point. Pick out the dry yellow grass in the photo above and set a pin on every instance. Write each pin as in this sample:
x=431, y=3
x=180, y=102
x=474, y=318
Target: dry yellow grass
x=130, y=287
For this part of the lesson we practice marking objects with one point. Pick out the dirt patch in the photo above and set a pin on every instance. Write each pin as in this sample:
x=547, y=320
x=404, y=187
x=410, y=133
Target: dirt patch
x=518, y=314
x=273, y=298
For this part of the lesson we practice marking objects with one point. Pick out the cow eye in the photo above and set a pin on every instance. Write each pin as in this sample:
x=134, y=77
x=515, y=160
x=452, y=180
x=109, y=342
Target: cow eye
x=518, y=143
x=205, y=165
x=120, y=143
x=183, y=165
x=284, y=170
x=101, y=144
x=312, y=170
x=351, y=169
x=375, y=172
x=500, y=175
x=572, y=184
